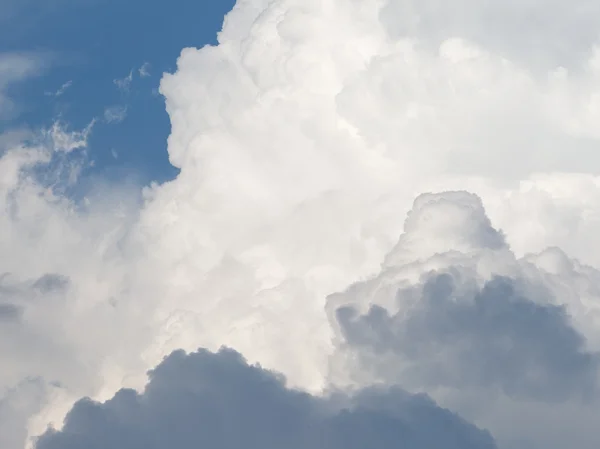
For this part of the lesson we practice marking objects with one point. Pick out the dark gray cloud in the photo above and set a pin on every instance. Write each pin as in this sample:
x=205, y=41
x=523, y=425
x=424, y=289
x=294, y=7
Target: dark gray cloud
x=206, y=400
x=50, y=283
x=453, y=333
x=10, y=312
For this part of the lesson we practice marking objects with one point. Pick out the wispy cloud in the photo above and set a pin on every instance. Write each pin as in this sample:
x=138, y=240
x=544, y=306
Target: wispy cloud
x=16, y=67
x=115, y=114
x=61, y=90
x=144, y=70
x=67, y=141
x=124, y=84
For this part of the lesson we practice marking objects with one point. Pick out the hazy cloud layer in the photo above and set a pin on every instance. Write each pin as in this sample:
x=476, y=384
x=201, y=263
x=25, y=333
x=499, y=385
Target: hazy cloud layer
x=15, y=67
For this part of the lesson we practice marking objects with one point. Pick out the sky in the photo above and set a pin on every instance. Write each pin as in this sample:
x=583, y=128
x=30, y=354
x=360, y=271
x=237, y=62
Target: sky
x=83, y=49
x=300, y=223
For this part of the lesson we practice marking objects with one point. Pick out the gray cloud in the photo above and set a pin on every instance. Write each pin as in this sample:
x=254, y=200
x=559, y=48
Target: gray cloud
x=218, y=401
x=509, y=343
x=50, y=283
x=15, y=295
x=470, y=336
x=9, y=312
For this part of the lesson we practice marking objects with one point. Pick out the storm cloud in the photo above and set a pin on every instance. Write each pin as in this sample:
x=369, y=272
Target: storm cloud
x=213, y=400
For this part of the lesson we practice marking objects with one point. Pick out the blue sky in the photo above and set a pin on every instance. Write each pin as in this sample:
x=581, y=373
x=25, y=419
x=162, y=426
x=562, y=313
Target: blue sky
x=88, y=44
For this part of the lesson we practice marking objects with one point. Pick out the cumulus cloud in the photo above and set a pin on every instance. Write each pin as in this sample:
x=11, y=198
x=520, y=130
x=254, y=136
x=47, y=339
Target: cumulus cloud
x=303, y=138
x=216, y=400
x=493, y=336
x=455, y=313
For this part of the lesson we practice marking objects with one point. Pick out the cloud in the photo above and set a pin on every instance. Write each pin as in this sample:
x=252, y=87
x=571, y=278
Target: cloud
x=62, y=140
x=455, y=313
x=303, y=137
x=115, y=114
x=216, y=400
x=12, y=138
x=14, y=68
x=61, y=90
x=14, y=296
x=56, y=281
x=124, y=84
x=491, y=337
x=21, y=395
x=302, y=146
x=17, y=405
x=144, y=70
x=537, y=34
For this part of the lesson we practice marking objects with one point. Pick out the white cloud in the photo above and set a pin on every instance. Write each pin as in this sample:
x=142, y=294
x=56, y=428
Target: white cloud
x=303, y=138
x=61, y=90
x=62, y=140
x=144, y=70
x=124, y=84
x=50, y=237
x=115, y=114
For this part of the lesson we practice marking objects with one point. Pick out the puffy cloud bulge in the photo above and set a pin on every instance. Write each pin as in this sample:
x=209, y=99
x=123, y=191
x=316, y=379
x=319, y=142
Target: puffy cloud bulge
x=216, y=400
x=303, y=139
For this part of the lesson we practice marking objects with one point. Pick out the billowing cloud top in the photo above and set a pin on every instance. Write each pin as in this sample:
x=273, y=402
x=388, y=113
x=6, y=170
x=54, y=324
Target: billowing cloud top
x=303, y=139
x=483, y=331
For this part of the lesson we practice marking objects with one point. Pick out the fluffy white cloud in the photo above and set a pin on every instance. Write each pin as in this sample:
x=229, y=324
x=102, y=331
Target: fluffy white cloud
x=303, y=138
x=305, y=134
